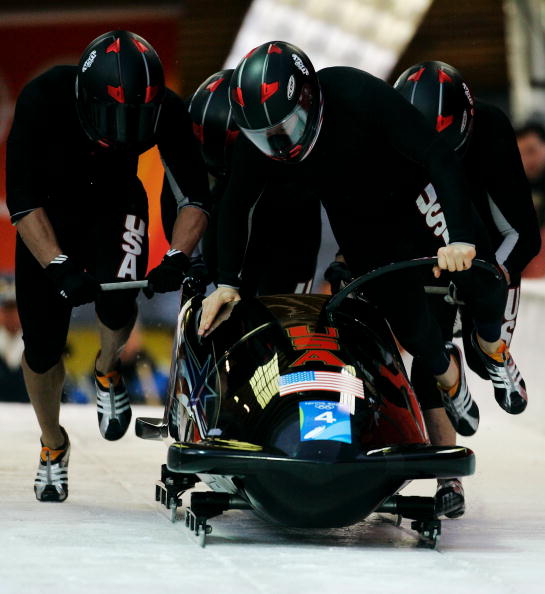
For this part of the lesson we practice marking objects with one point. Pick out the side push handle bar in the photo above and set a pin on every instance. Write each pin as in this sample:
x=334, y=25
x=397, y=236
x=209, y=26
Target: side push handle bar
x=189, y=285
x=138, y=284
x=337, y=299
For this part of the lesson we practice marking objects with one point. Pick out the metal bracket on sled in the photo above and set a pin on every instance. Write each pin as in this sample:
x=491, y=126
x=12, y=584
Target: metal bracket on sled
x=171, y=487
x=419, y=509
x=198, y=525
x=429, y=531
x=206, y=505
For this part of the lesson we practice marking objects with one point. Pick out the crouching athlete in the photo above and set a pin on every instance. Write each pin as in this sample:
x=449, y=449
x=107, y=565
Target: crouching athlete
x=485, y=141
x=82, y=216
x=274, y=221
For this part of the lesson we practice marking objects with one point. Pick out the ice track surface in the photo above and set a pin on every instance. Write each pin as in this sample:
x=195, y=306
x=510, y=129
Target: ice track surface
x=111, y=537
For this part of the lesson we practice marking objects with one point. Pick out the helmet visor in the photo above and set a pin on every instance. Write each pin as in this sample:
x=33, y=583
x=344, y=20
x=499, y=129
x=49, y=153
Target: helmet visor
x=281, y=141
x=124, y=123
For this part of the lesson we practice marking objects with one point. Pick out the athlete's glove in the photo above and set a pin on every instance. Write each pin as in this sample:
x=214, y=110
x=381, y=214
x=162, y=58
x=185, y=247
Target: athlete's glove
x=75, y=285
x=169, y=275
x=198, y=277
x=337, y=273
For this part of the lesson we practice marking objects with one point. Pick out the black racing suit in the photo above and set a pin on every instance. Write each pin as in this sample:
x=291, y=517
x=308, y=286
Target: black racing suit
x=372, y=155
x=92, y=196
x=283, y=243
x=502, y=198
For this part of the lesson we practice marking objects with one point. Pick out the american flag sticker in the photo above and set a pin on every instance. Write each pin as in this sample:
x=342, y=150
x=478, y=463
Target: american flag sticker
x=328, y=381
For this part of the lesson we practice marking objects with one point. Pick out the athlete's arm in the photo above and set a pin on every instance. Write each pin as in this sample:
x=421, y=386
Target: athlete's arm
x=25, y=169
x=246, y=182
x=186, y=178
x=73, y=284
x=408, y=132
x=36, y=231
x=509, y=194
x=189, y=227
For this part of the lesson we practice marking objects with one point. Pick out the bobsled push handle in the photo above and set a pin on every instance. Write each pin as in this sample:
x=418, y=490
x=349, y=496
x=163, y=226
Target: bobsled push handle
x=337, y=299
x=138, y=284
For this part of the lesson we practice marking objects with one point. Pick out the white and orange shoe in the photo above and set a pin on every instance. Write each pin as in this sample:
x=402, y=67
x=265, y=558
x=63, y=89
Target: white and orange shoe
x=113, y=405
x=460, y=407
x=51, y=483
x=509, y=386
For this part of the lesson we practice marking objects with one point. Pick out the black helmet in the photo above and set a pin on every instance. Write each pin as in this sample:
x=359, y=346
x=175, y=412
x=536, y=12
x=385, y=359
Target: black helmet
x=213, y=124
x=119, y=89
x=439, y=92
x=277, y=101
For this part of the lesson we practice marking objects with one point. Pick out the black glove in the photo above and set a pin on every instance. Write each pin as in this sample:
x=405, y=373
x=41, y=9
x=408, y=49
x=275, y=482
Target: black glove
x=198, y=277
x=75, y=285
x=169, y=275
x=336, y=273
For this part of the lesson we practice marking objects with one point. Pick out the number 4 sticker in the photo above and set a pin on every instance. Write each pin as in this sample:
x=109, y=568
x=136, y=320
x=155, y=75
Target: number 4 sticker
x=324, y=420
x=326, y=416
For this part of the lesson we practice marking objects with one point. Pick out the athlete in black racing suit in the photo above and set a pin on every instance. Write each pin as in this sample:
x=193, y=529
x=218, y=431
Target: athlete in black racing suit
x=350, y=139
x=502, y=199
x=281, y=254
x=82, y=215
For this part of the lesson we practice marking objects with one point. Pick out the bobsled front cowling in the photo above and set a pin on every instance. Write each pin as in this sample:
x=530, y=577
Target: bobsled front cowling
x=252, y=380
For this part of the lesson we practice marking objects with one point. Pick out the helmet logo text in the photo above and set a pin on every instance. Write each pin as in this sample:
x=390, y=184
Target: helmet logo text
x=464, y=121
x=468, y=93
x=89, y=62
x=291, y=86
x=299, y=63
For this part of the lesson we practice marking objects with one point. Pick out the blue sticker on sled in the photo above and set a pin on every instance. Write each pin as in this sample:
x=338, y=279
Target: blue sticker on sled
x=322, y=419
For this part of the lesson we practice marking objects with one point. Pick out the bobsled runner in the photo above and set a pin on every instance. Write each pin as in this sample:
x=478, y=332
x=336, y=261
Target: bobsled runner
x=299, y=408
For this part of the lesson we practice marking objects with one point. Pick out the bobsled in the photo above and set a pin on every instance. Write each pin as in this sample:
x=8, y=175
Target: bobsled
x=298, y=408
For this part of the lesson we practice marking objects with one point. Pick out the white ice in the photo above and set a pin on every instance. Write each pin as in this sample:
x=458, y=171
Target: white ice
x=111, y=537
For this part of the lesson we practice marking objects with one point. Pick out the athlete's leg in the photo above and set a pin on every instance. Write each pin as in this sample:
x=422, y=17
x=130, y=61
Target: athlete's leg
x=439, y=427
x=45, y=317
x=487, y=302
x=112, y=343
x=508, y=328
x=450, y=500
x=118, y=251
x=44, y=391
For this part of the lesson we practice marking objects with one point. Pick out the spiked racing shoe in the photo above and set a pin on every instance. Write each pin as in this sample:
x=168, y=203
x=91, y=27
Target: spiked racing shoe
x=509, y=387
x=449, y=498
x=51, y=483
x=460, y=407
x=113, y=405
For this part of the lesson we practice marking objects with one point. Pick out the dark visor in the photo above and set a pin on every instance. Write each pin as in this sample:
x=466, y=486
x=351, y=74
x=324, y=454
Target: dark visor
x=125, y=123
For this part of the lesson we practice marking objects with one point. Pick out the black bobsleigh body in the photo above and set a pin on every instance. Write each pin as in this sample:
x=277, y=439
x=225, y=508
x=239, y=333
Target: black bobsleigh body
x=302, y=413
